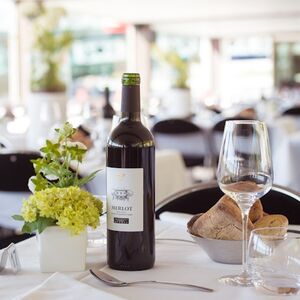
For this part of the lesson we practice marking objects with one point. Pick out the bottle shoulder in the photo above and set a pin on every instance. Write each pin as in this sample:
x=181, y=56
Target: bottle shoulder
x=108, y=111
x=130, y=134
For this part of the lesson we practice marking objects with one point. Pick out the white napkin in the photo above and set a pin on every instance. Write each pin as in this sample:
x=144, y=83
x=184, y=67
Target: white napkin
x=59, y=286
x=175, y=218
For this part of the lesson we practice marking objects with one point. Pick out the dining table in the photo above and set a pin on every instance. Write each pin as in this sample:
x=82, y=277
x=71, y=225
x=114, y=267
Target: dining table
x=176, y=260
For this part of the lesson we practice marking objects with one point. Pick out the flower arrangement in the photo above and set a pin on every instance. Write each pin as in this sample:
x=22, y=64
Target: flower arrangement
x=179, y=65
x=57, y=198
x=50, y=44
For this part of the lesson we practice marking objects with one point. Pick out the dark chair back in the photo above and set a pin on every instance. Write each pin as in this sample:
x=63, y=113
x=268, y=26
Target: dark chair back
x=219, y=126
x=293, y=111
x=199, y=198
x=189, y=139
x=217, y=135
x=16, y=169
x=175, y=126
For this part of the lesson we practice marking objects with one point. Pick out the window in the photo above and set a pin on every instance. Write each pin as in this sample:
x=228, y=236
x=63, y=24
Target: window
x=247, y=70
x=6, y=15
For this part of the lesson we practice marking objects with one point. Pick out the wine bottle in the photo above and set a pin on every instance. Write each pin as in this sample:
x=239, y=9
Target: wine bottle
x=107, y=110
x=130, y=171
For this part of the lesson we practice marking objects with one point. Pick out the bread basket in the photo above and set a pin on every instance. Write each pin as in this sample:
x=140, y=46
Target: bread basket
x=221, y=251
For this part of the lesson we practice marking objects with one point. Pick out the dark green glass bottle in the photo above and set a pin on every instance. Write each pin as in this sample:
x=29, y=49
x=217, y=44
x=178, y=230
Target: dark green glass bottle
x=130, y=186
x=107, y=110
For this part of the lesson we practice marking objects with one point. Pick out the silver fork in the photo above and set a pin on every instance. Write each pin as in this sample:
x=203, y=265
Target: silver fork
x=112, y=281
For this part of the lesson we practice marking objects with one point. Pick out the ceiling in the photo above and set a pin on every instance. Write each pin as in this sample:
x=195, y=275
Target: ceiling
x=213, y=18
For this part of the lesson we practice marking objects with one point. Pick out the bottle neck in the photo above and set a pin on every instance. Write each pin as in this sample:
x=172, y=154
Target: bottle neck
x=130, y=105
x=106, y=92
x=136, y=116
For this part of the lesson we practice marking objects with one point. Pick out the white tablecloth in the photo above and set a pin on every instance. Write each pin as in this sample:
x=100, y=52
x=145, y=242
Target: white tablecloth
x=175, y=261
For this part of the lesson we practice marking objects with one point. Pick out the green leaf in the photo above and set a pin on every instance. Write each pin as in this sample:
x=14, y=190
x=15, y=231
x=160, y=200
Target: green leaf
x=56, y=160
x=51, y=149
x=40, y=224
x=38, y=164
x=18, y=217
x=86, y=179
x=76, y=153
x=66, y=131
x=43, y=223
x=40, y=182
x=51, y=169
x=29, y=227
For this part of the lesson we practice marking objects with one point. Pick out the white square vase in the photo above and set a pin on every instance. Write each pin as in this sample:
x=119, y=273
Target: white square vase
x=60, y=251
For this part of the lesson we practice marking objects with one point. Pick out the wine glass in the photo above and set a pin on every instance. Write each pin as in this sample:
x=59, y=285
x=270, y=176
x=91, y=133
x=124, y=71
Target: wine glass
x=244, y=173
x=274, y=260
x=97, y=236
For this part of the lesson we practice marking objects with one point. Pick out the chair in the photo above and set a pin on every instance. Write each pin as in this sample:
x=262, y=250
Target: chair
x=293, y=111
x=166, y=185
x=219, y=126
x=16, y=169
x=217, y=136
x=200, y=197
x=293, y=115
x=184, y=136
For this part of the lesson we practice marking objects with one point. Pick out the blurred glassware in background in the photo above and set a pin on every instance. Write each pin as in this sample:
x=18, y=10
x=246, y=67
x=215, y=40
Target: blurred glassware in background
x=97, y=236
x=274, y=260
x=104, y=124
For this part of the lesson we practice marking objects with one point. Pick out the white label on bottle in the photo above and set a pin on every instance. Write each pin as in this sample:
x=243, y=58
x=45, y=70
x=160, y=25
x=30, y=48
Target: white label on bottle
x=125, y=199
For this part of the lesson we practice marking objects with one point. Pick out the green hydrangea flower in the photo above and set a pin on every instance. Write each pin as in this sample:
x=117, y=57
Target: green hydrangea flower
x=57, y=198
x=71, y=208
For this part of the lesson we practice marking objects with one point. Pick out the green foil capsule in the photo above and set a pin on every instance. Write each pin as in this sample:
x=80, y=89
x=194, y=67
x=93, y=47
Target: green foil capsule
x=131, y=79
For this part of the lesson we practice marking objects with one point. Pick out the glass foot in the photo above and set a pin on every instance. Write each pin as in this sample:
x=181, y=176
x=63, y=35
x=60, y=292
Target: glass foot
x=237, y=280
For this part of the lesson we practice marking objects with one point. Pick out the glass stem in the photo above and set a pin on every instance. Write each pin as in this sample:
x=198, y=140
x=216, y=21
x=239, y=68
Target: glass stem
x=245, y=214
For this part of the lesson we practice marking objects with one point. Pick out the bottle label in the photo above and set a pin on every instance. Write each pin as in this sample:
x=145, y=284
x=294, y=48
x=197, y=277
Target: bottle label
x=125, y=199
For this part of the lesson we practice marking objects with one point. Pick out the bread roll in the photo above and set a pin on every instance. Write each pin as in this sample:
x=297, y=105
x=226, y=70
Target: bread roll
x=256, y=211
x=222, y=221
x=272, y=221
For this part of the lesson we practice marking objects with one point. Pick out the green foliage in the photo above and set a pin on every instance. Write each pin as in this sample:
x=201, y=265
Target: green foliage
x=40, y=224
x=49, y=47
x=53, y=169
x=179, y=65
x=71, y=208
x=18, y=217
x=57, y=198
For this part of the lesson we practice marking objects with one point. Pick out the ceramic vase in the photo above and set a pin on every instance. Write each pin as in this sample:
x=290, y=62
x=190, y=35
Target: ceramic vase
x=59, y=251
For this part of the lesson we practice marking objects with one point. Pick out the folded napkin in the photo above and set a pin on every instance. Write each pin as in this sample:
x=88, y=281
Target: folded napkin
x=175, y=218
x=59, y=286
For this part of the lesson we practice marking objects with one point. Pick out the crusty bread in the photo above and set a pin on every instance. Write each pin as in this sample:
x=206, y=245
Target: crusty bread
x=256, y=211
x=222, y=221
x=272, y=221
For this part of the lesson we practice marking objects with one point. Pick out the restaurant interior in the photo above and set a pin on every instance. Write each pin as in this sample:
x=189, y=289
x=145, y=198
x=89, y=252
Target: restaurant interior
x=209, y=70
